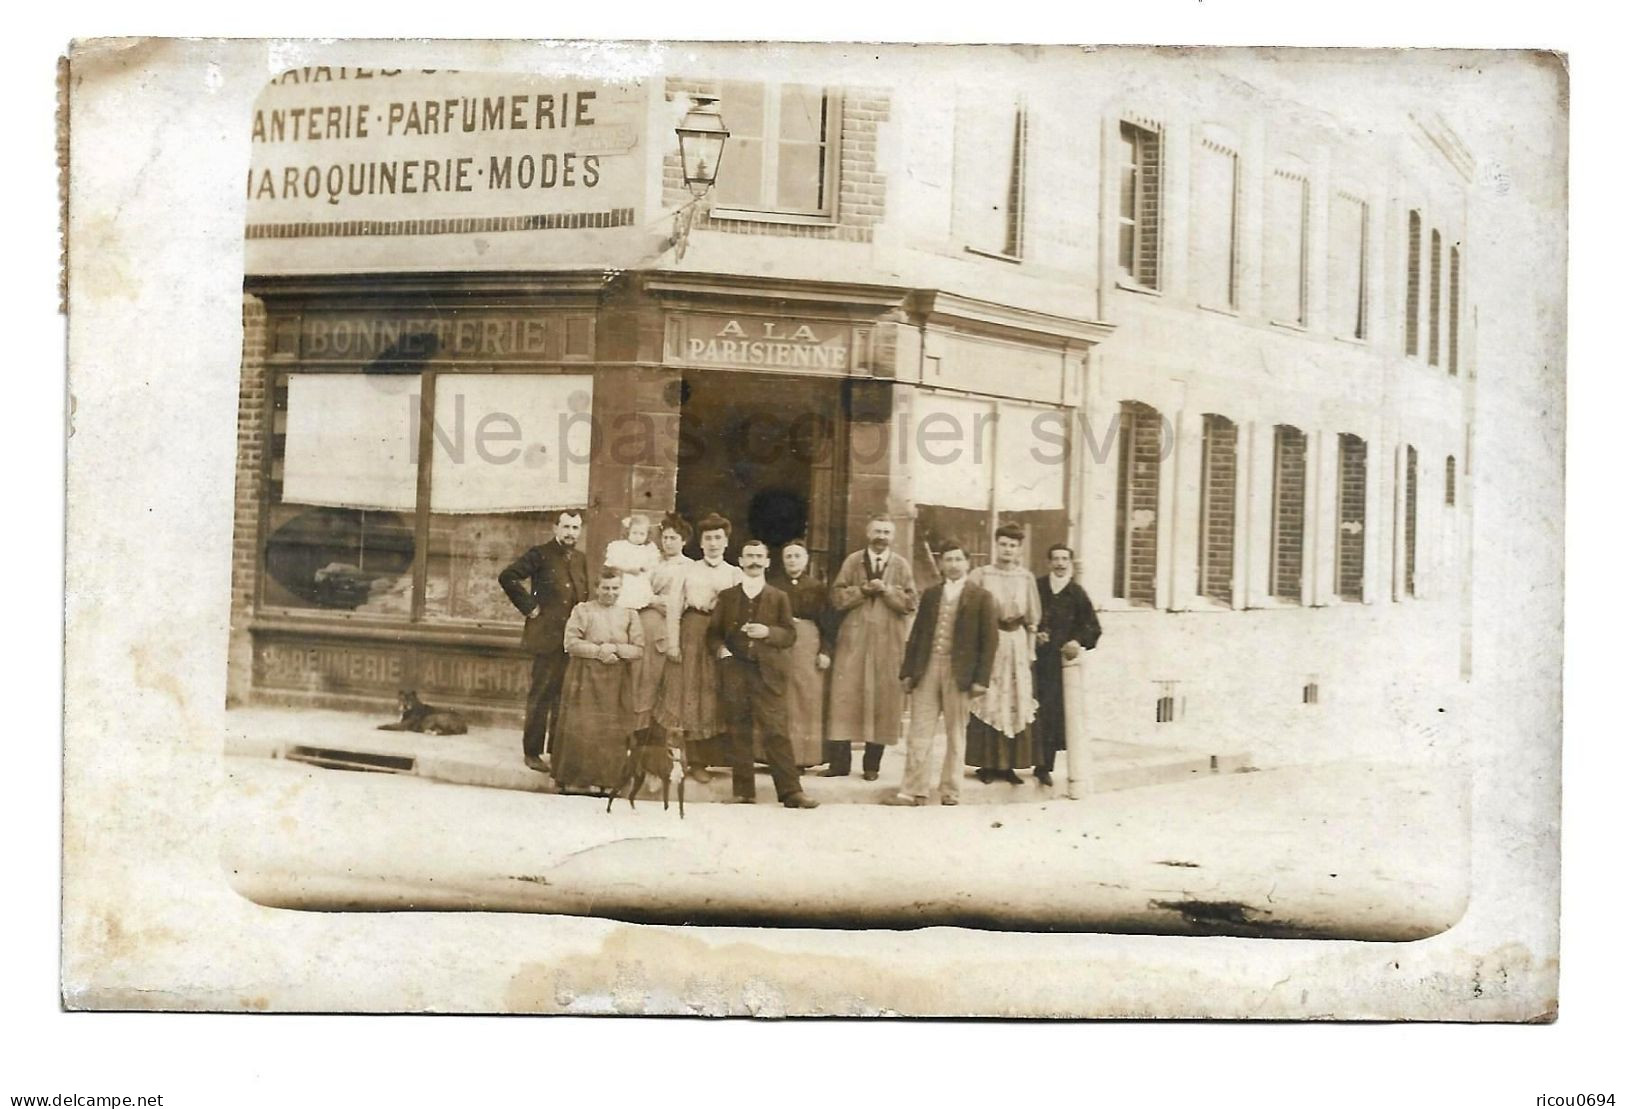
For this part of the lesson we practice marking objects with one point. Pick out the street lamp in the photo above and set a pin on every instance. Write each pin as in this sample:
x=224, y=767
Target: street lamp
x=700, y=138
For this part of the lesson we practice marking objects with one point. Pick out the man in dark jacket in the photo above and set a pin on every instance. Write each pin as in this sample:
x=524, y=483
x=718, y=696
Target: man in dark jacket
x=752, y=629
x=556, y=573
x=1067, y=627
x=946, y=665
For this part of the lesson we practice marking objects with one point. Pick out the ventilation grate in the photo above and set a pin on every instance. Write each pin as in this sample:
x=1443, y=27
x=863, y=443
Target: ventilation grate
x=366, y=761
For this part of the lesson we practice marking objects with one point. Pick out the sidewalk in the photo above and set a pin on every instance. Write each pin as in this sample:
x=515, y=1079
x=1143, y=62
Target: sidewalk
x=491, y=757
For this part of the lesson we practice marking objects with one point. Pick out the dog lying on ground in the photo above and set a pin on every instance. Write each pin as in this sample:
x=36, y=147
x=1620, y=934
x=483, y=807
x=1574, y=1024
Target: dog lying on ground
x=644, y=761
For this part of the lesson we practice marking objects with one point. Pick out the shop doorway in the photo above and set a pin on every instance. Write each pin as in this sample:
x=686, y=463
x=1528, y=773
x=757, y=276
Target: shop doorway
x=767, y=452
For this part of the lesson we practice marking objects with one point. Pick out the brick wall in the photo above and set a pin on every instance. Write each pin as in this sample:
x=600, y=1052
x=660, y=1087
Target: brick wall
x=1218, y=534
x=1139, y=473
x=1351, y=490
x=860, y=189
x=245, y=529
x=1286, y=564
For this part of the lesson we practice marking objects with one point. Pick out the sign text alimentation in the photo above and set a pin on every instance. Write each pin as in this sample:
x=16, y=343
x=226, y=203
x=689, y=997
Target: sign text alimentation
x=568, y=112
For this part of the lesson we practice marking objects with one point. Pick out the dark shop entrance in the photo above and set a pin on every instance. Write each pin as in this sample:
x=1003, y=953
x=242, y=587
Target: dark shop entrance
x=767, y=452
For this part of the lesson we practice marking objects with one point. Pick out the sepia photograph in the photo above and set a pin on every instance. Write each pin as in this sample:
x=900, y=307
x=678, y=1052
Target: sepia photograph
x=540, y=512
x=1078, y=450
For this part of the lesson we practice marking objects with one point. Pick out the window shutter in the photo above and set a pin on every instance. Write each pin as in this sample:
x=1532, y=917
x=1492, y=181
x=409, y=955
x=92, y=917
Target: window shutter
x=1139, y=472
x=1351, y=491
x=1286, y=563
x=1216, y=540
x=1413, y=284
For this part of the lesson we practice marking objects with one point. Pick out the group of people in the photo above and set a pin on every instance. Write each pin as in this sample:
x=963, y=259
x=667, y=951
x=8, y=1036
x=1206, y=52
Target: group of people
x=747, y=663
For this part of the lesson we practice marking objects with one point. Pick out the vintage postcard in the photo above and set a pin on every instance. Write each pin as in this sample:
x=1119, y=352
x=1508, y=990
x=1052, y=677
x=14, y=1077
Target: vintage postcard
x=813, y=529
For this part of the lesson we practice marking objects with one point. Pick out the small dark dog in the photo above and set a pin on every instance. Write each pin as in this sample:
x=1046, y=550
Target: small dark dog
x=419, y=717
x=643, y=760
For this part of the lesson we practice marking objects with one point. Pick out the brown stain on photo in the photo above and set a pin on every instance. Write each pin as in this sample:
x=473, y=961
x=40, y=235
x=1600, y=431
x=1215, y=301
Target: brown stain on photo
x=634, y=964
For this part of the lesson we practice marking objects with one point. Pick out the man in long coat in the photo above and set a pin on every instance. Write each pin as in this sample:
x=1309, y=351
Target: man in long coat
x=545, y=584
x=1069, y=625
x=873, y=596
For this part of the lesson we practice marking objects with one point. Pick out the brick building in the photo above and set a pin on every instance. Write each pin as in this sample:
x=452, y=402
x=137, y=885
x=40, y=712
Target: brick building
x=1217, y=339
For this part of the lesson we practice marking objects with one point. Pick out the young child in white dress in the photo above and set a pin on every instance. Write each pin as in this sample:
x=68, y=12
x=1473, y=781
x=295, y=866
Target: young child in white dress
x=634, y=556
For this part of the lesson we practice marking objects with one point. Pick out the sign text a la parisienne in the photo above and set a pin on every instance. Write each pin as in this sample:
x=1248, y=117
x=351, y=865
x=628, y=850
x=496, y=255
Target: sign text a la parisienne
x=381, y=151
x=761, y=343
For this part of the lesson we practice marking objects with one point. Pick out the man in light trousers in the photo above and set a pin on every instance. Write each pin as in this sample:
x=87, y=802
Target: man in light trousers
x=946, y=665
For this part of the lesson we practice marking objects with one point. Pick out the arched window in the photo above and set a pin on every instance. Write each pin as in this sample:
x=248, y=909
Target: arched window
x=1139, y=474
x=1216, y=534
x=1286, y=516
x=1351, y=490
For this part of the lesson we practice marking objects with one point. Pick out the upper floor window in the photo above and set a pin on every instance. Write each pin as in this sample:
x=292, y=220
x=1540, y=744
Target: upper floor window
x=781, y=154
x=1455, y=308
x=1217, y=207
x=990, y=176
x=1450, y=481
x=1286, y=237
x=1435, y=275
x=1139, y=220
x=1349, y=252
x=1413, y=283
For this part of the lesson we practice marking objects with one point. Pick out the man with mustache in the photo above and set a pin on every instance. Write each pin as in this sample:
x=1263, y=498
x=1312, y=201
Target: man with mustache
x=873, y=595
x=752, y=628
x=557, y=581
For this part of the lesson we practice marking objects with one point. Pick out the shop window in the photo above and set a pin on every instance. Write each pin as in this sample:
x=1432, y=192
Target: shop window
x=1139, y=221
x=1351, y=492
x=1287, y=514
x=990, y=175
x=1410, y=521
x=1455, y=309
x=1216, y=533
x=782, y=149
x=347, y=495
x=1286, y=236
x=1413, y=283
x=1139, y=476
x=976, y=464
x=343, y=489
x=1435, y=276
x=1349, y=250
x=1217, y=207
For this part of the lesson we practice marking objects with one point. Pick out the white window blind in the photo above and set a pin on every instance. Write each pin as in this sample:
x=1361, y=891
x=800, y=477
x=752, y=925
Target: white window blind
x=1032, y=465
x=1286, y=219
x=1348, y=266
x=511, y=442
x=350, y=440
x=950, y=445
x=1216, y=178
x=990, y=147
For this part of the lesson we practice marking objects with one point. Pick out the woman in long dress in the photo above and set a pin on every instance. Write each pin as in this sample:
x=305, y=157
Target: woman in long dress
x=666, y=579
x=636, y=558
x=595, y=712
x=690, y=710
x=809, y=659
x=998, y=740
